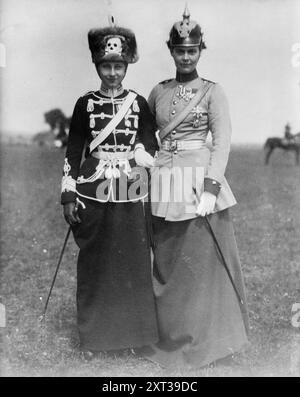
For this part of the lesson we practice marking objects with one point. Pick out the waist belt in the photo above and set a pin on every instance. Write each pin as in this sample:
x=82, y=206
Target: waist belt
x=174, y=146
x=101, y=155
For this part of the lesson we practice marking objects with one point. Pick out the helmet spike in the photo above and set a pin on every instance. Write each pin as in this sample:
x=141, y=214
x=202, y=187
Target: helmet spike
x=186, y=13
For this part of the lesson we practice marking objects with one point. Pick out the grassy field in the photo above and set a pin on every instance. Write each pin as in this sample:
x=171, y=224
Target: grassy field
x=267, y=224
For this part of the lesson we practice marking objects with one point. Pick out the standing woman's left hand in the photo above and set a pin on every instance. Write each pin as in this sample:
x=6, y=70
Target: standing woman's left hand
x=206, y=204
x=143, y=158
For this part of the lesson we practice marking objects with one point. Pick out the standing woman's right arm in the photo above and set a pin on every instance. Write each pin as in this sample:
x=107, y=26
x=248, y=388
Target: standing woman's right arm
x=76, y=141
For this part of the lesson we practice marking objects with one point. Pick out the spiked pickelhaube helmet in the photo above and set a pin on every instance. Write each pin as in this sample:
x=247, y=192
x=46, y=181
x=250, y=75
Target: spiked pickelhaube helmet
x=112, y=43
x=186, y=33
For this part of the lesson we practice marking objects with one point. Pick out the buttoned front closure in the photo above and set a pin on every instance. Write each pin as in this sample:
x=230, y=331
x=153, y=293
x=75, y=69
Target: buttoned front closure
x=174, y=97
x=210, y=113
x=181, y=96
x=102, y=109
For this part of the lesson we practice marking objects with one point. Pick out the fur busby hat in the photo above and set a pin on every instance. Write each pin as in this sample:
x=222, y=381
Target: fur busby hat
x=112, y=43
x=186, y=33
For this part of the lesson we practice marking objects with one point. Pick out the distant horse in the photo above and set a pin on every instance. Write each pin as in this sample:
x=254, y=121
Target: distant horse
x=281, y=143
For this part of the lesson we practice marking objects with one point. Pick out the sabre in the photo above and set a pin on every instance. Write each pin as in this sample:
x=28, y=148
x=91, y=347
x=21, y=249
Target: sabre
x=42, y=317
x=220, y=253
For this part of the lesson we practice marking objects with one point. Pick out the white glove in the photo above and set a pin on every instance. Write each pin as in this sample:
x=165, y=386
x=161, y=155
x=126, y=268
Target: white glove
x=143, y=158
x=206, y=204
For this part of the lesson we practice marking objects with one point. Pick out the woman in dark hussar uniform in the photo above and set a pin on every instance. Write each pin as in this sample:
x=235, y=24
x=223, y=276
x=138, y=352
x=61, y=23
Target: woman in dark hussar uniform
x=115, y=301
x=200, y=316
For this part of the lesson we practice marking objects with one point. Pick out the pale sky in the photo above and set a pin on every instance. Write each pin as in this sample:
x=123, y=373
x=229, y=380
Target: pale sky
x=249, y=52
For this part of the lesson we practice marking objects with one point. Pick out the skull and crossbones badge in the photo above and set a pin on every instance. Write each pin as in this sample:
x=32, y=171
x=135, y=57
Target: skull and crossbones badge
x=113, y=46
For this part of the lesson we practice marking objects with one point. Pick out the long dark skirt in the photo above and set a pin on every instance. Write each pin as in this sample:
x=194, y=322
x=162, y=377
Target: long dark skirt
x=199, y=316
x=115, y=300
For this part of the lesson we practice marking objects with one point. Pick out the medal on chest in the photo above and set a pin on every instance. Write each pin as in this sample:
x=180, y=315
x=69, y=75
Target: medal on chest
x=185, y=93
x=197, y=113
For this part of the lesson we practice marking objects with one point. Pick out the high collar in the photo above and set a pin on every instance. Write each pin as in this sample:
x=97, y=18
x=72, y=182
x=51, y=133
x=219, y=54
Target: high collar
x=184, y=77
x=111, y=92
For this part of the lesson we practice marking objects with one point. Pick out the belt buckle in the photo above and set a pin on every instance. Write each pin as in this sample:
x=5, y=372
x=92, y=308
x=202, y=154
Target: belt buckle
x=173, y=146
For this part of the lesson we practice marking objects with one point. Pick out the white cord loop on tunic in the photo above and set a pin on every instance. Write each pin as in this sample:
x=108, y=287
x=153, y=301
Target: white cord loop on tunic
x=109, y=164
x=79, y=202
x=68, y=184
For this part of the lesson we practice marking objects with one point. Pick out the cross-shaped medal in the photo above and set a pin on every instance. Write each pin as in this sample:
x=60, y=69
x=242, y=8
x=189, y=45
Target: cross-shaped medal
x=197, y=116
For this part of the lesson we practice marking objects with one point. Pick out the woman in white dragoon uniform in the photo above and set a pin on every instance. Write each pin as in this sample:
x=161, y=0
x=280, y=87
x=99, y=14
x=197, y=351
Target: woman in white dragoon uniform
x=201, y=318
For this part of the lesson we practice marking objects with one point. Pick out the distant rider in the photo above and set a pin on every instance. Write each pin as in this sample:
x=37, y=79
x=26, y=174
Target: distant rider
x=288, y=136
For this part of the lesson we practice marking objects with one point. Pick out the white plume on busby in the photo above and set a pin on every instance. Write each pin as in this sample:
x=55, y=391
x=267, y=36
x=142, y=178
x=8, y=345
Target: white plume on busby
x=112, y=43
